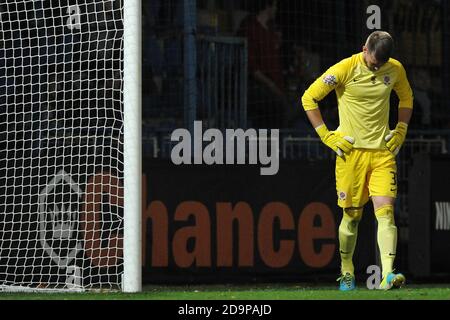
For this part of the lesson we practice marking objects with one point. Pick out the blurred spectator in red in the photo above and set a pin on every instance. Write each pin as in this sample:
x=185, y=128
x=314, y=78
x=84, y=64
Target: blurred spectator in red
x=268, y=103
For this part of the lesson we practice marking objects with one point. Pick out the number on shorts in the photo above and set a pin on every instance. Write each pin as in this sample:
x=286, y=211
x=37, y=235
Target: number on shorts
x=394, y=178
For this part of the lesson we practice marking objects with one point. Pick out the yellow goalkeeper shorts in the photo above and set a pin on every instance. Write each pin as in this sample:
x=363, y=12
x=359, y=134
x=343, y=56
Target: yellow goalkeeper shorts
x=365, y=173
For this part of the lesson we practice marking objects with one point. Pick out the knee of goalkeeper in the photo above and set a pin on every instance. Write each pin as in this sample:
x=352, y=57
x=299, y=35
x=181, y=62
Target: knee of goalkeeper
x=353, y=214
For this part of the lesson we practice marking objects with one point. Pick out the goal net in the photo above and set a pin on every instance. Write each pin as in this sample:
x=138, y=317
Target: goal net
x=61, y=144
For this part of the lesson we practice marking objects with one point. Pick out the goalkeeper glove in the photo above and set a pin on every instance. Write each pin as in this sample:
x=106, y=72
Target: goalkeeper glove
x=396, y=137
x=335, y=140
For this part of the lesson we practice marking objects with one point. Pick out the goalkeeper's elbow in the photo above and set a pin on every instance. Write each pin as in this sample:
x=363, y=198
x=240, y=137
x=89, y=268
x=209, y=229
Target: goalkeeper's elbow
x=308, y=102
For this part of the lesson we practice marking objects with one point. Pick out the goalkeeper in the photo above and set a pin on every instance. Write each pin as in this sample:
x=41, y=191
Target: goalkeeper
x=366, y=147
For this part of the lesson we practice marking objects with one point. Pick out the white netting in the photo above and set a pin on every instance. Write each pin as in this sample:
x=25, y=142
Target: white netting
x=61, y=144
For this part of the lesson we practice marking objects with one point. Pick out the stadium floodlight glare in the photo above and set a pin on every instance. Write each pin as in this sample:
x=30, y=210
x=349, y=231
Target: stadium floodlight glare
x=70, y=145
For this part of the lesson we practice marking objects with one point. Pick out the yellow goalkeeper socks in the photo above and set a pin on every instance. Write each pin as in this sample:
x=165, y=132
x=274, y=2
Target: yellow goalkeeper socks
x=348, y=234
x=387, y=237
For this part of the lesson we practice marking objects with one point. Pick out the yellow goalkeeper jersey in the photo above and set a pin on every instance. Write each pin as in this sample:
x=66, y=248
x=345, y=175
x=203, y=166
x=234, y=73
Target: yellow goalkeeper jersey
x=363, y=97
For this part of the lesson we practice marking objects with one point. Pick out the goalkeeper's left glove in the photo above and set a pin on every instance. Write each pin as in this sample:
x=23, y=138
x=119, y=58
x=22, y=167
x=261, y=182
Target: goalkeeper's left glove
x=396, y=137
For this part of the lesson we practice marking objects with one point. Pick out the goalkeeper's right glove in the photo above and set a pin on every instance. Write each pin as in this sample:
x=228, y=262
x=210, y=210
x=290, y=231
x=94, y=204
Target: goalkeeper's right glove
x=335, y=140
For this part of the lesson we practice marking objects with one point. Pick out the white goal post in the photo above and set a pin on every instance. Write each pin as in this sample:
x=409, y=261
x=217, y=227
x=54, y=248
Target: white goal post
x=70, y=145
x=132, y=281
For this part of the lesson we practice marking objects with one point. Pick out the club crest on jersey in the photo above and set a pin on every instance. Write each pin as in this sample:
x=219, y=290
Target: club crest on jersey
x=342, y=196
x=330, y=80
x=387, y=80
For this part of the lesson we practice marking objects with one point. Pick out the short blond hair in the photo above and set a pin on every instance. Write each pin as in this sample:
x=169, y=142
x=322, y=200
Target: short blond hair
x=380, y=44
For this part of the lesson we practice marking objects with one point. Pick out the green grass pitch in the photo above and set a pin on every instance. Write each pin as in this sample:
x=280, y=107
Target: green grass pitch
x=249, y=292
